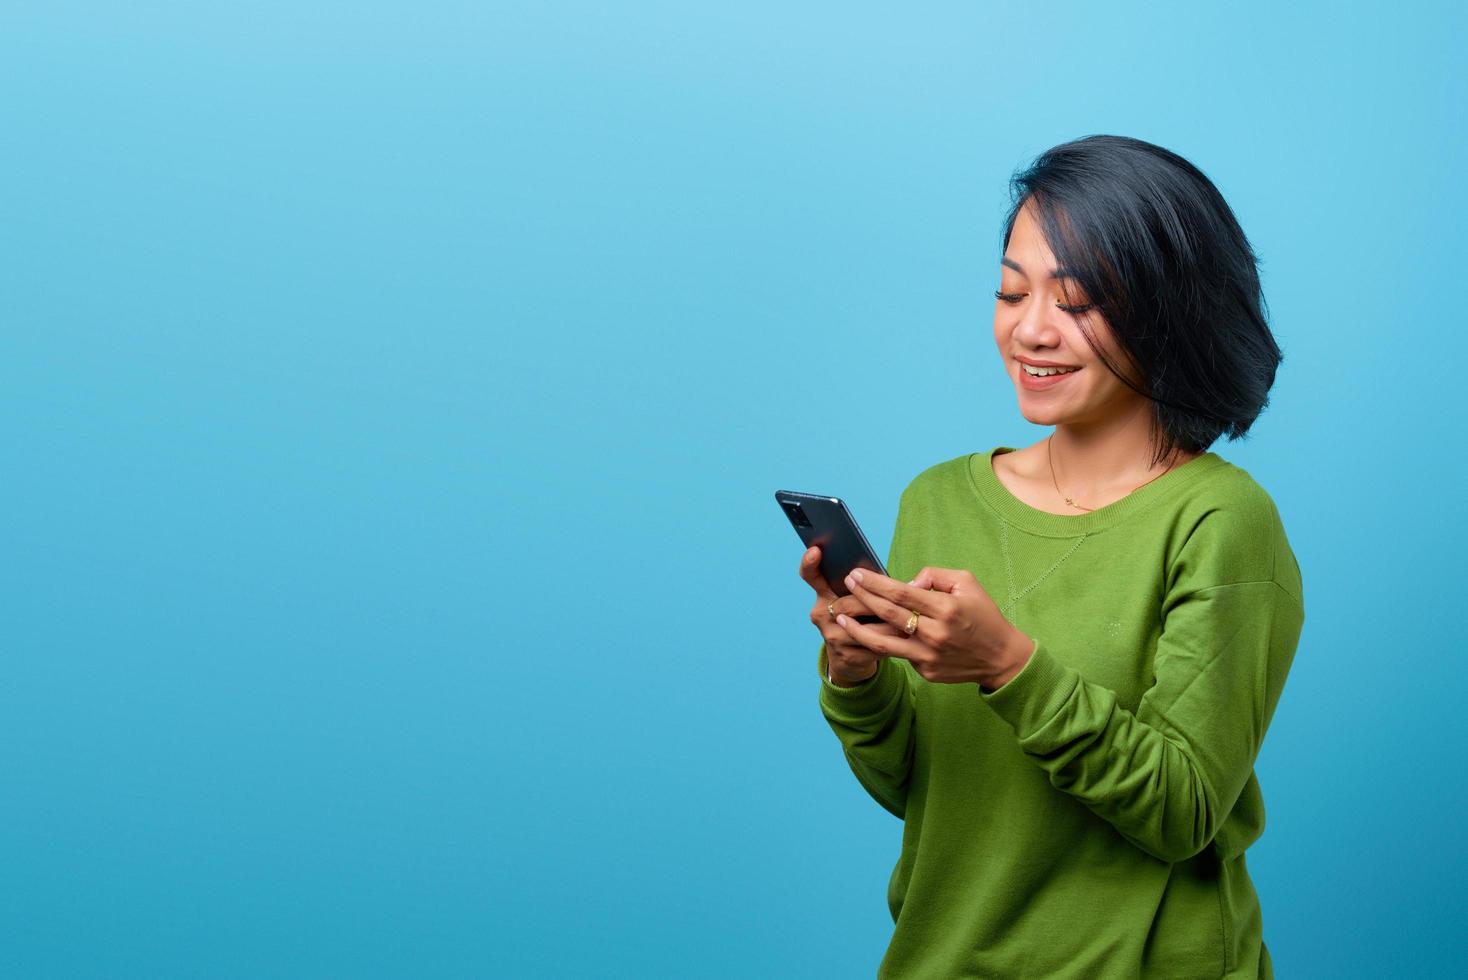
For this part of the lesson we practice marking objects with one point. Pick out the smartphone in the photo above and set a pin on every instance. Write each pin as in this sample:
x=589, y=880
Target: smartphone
x=827, y=522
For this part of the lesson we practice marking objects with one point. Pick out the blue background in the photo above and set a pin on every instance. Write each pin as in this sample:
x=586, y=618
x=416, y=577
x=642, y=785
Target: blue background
x=392, y=398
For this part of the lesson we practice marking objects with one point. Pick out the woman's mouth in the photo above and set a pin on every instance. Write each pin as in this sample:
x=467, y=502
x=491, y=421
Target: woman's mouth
x=1033, y=383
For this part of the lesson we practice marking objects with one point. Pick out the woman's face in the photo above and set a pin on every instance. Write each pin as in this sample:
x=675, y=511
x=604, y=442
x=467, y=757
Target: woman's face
x=1032, y=322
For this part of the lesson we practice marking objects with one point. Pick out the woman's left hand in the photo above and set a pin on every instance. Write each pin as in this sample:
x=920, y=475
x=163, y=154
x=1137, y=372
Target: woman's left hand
x=961, y=638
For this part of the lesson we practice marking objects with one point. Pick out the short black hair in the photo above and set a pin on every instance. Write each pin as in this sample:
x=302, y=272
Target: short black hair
x=1159, y=252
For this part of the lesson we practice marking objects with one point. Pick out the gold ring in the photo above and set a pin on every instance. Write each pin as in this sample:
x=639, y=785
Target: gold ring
x=832, y=610
x=911, y=626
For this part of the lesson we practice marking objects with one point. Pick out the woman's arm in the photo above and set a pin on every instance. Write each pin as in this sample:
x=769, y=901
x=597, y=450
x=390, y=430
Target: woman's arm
x=1167, y=775
x=875, y=722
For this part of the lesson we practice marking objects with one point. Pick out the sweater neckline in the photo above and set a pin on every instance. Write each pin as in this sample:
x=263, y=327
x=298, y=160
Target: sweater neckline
x=1009, y=507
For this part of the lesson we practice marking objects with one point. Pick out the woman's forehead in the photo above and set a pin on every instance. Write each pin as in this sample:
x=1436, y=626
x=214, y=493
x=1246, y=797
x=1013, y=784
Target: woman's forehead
x=1029, y=252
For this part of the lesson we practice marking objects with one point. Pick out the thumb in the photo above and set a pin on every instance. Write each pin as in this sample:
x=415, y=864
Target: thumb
x=954, y=580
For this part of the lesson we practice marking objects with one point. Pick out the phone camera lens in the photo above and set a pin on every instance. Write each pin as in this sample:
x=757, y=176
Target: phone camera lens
x=797, y=515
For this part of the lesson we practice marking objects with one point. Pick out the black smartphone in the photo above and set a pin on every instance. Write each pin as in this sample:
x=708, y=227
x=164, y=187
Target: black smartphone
x=827, y=522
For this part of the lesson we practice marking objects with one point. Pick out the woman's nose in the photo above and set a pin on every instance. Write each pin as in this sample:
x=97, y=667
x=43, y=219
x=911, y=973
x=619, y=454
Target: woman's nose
x=1034, y=328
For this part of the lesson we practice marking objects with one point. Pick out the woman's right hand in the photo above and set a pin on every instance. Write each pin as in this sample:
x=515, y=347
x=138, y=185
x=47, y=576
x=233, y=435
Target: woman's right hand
x=850, y=662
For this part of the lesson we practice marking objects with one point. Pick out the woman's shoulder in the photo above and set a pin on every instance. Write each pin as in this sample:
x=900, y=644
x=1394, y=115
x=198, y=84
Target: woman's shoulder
x=1227, y=488
x=1230, y=521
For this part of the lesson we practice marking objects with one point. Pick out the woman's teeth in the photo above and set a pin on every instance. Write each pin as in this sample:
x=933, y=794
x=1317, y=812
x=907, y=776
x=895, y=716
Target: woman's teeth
x=1035, y=372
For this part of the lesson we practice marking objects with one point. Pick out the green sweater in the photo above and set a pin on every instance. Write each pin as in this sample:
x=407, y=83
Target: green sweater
x=1089, y=818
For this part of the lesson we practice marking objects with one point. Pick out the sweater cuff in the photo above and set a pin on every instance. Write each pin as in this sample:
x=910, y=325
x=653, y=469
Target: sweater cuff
x=866, y=698
x=1034, y=695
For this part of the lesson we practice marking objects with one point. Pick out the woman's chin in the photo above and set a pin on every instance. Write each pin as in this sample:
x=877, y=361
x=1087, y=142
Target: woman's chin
x=1038, y=411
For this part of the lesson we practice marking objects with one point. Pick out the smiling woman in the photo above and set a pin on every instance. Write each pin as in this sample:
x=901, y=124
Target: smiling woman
x=1083, y=642
x=1138, y=270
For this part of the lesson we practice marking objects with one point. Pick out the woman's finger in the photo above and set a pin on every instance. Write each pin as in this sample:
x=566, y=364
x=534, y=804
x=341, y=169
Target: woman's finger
x=900, y=615
x=851, y=605
x=881, y=592
x=810, y=570
x=955, y=581
x=894, y=644
x=823, y=614
x=842, y=638
x=832, y=632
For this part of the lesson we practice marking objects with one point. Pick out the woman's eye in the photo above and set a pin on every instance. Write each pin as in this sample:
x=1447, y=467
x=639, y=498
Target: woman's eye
x=1013, y=298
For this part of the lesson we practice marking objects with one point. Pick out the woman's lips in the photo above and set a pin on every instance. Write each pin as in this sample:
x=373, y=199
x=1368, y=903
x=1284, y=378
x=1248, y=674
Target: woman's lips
x=1041, y=384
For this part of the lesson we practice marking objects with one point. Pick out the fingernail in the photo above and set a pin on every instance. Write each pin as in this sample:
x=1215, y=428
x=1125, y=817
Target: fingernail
x=857, y=574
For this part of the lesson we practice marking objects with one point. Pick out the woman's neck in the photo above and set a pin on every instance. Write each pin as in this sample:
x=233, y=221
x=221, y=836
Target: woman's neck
x=1094, y=460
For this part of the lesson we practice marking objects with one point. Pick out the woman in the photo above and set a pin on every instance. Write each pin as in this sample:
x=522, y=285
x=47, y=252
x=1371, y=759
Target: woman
x=1083, y=640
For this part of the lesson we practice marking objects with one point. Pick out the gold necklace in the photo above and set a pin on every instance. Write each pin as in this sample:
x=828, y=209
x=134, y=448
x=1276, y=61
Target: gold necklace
x=1051, y=458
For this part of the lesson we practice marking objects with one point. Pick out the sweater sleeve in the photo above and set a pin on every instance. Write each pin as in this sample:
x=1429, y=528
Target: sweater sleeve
x=1167, y=775
x=876, y=720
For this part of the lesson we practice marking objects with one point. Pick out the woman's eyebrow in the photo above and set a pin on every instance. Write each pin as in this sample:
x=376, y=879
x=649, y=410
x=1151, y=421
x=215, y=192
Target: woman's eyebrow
x=1054, y=273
